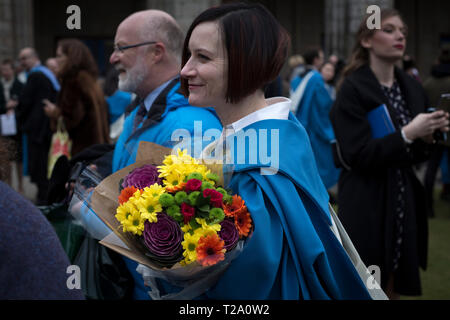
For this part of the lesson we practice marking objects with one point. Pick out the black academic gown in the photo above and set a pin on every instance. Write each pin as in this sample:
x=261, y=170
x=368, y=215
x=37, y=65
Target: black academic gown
x=36, y=125
x=367, y=192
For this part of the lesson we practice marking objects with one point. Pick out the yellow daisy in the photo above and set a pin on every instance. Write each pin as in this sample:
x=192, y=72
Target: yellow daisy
x=189, y=245
x=149, y=207
x=206, y=229
x=135, y=223
x=124, y=211
x=155, y=191
x=173, y=180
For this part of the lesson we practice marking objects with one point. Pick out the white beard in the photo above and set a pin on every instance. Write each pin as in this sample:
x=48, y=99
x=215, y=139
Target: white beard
x=133, y=77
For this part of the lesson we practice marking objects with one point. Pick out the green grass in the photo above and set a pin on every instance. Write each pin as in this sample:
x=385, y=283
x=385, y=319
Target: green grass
x=436, y=279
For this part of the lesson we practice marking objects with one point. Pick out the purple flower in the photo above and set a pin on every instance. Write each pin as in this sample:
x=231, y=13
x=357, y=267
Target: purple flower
x=163, y=238
x=229, y=234
x=142, y=177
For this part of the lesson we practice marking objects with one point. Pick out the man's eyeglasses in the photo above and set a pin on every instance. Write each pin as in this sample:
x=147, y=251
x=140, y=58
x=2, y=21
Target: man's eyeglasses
x=121, y=49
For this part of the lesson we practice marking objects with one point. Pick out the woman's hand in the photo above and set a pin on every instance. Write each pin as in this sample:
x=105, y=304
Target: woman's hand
x=424, y=124
x=51, y=110
x=11, y=104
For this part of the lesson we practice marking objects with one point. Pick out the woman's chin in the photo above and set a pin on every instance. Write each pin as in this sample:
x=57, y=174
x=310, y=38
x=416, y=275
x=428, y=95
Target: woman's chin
x=196, y=102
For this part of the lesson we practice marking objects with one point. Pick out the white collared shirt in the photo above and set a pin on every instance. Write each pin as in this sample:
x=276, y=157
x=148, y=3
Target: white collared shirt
x=277, y=108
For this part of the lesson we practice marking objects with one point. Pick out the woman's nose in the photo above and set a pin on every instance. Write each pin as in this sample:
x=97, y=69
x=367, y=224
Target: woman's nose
x=187, y=71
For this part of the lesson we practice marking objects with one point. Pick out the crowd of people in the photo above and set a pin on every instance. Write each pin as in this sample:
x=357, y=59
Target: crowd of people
x=331, y=150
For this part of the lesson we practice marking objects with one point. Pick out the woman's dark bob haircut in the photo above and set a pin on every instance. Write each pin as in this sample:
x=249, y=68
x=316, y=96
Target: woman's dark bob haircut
x=257, y=46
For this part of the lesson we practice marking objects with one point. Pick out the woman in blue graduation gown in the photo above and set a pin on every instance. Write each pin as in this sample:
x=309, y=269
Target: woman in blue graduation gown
x=230, y=53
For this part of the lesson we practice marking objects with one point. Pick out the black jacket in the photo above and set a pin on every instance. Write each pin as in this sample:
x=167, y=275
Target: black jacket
x=30, y=111
x=367, y=192
x=14, y=93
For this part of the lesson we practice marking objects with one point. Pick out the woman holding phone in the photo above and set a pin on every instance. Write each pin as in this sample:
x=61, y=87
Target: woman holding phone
x=381, y=202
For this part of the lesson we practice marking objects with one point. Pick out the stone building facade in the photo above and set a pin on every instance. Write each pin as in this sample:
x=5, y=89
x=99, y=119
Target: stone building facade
x=328, y=23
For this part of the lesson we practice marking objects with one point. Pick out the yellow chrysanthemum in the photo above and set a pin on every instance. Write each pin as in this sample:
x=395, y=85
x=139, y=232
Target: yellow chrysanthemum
x=206, y=229
x=149, y=207
x=124, y=211
x=155, y=191
x=180, y=162
x=135, y=197
x=190, y=245
x=173, y=180
x=133, y=221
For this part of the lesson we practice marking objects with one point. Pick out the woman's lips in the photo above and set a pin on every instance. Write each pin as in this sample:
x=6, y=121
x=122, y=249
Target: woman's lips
x=399, y=46
x=194, y=86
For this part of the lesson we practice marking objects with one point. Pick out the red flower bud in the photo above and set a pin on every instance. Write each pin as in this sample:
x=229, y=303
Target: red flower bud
x=188, y=212
x=193, y=185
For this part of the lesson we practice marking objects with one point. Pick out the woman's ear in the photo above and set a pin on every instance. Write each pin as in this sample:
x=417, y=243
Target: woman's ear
x=366, y=43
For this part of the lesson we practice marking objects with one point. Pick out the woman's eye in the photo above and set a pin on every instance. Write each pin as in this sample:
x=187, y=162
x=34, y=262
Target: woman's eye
x=203, y=57
x=387, y=30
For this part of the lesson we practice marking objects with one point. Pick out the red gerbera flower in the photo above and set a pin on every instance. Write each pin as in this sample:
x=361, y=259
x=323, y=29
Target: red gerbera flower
x=210, y=250
x=236, y=207
x=126, y=194
x=243, y=222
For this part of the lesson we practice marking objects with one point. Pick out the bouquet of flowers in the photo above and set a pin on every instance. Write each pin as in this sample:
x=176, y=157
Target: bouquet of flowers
x=179, y=213
x=172, y=214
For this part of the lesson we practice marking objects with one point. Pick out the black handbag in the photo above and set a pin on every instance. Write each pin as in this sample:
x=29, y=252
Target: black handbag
x=104, y=275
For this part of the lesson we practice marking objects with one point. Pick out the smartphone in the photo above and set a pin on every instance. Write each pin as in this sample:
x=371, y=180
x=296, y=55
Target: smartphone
x=444, y=104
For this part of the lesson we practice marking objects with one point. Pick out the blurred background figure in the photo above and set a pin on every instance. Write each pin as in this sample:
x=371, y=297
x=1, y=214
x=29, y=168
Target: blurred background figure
x=435, y=86
x=10, y=90
x=339, y=65
x=52, y=64
x=81, y=102
x=295, y=66
x=327, y=72
x=311, y=104
x=409, y=66
x=117, y=101
x=41, y=84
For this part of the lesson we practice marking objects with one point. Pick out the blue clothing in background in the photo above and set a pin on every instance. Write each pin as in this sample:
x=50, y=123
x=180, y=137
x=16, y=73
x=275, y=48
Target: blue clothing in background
x=313, y=114
x=117, y=104
x=50, y=76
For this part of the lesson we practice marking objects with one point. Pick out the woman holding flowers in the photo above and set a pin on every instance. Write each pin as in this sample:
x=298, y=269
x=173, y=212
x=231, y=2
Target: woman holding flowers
x=230, y=53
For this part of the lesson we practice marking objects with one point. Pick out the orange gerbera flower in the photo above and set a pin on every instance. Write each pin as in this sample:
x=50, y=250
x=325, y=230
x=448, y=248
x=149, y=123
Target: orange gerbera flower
x=126, y=194
x=176, y=188
x=243, y=222
x=210, y=250
x=238, y=205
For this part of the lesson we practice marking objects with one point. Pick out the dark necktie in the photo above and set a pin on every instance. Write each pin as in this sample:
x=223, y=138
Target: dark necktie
x=140, y=115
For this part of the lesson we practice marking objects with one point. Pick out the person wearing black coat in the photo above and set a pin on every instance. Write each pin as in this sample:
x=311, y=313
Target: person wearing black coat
x=10, y=90
x=380, y=199
x=34, y=121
